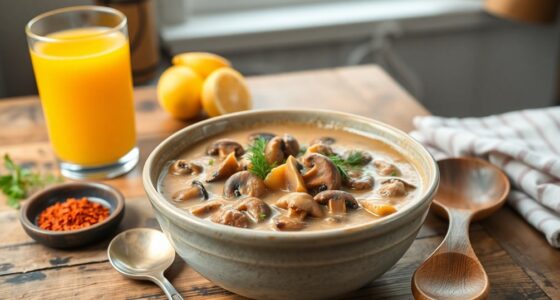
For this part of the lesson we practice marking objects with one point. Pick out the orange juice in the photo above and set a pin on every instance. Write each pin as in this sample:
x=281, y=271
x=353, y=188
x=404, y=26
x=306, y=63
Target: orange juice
x=85, y=85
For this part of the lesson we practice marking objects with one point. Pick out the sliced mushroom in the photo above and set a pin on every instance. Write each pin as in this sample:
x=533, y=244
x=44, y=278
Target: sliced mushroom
x=244, y=183
x=196, y=190
x=267, y=136
x=321, y=149
x=183, y=167
x=255, y=207
x=300, y=205
x=226, y=168
x=285, y=223
x=378, y=209
x=358, y=181
x=206, y=208
x=336, y=200
x=231, y=217
x=224, y=147
x=385, y=169
x=321, y=175
x=286, y=177
x=392, y=188
x=325, y=140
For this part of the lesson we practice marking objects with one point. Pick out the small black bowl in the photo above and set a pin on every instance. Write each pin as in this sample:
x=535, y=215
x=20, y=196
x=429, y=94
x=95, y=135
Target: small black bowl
x=98, y=192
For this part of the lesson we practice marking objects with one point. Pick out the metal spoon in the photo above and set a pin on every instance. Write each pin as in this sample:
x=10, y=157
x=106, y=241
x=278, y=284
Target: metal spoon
x=143, y=253
x=470, y=189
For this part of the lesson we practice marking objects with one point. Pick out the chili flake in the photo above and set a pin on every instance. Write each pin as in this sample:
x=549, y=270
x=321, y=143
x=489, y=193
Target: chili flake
x=72, y=214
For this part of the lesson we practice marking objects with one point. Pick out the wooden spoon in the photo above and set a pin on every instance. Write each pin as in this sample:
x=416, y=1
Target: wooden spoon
x=470, y=190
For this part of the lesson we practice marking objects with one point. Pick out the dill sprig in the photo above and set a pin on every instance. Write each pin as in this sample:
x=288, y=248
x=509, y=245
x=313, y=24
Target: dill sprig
x=352, y=161
x=259, y=165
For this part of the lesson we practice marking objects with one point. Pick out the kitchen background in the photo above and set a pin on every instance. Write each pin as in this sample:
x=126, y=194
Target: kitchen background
x=452, y=55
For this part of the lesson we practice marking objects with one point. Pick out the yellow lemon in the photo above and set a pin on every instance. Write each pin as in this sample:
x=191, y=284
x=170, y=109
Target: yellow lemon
x=225, y=91
x=202, y=63
x=178, y=91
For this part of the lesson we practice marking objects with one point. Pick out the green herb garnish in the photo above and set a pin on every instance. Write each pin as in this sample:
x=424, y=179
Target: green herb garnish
x=340, y=164
x=259, y=165
x=211, y=162
x=262, y=216
x=354, y=160
x=394, y=173
x=19, y=182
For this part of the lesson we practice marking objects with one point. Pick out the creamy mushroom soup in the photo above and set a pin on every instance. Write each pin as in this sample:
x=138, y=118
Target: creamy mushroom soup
x=290, y=178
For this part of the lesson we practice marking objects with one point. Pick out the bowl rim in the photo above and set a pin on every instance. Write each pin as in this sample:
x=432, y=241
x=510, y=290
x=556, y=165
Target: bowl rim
x=202, y=226
x=117, y=210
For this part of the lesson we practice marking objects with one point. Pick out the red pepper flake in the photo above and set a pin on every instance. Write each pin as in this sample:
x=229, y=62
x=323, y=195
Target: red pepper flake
x=72, y=214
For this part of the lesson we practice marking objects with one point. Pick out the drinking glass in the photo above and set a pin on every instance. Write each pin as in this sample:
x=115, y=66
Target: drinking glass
x=81, y=62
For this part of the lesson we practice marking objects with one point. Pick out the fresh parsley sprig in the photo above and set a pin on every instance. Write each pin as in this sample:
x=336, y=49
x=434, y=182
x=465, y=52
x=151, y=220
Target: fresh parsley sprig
x=259, y=165
x=20, y=182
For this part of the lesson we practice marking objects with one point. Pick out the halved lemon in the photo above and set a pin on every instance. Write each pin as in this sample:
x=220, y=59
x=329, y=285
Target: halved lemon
x=203, y=63
x=225, y=91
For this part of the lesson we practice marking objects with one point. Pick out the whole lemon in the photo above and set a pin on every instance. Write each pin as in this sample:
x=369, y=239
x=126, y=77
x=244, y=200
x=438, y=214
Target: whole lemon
x=179, y=90
x=203, y=63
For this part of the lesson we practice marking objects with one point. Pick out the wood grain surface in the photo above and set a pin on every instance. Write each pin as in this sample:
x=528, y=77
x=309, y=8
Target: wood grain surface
x=519, y=262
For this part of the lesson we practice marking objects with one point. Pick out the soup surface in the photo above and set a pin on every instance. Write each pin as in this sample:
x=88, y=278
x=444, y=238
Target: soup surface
x=290, y=178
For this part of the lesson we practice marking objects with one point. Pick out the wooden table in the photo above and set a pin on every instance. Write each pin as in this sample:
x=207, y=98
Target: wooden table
x=519, y=262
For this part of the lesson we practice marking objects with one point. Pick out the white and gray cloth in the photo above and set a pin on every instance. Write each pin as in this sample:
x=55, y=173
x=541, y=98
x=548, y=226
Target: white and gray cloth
x=524, y=144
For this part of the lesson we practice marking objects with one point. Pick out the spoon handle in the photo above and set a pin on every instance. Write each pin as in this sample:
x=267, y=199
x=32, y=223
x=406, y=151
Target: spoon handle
x=167, y=287
x=457, y=237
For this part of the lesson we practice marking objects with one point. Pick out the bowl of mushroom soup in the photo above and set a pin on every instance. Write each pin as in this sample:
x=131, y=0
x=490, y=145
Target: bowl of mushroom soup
x=290, y=204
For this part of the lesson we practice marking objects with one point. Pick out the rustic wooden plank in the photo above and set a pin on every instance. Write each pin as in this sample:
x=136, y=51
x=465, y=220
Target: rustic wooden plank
x=20, y=254
x=528, y=249
x=84, y=281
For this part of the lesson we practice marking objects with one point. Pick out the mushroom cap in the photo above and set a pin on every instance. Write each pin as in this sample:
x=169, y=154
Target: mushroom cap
x=257, y=208
x=183, y=167
x=392, y=188
x=244, y=183
x=322, y=174
x=274, y=151
x=231, y=217
x=196, y=190
x=360, y=182
x=385, y=168
x=324, y=197
x=300, y=202
x=223, y=147
x=206, y=207
x=291, y=145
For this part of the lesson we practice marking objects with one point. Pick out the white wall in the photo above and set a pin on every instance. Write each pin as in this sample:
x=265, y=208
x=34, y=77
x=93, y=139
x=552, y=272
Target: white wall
x=497, y=67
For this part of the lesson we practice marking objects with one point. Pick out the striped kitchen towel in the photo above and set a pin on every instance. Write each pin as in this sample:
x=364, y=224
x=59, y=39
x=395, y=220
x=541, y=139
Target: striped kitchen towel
x=524, y=144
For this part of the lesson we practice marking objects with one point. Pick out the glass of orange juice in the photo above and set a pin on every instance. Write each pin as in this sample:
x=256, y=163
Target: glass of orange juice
x=82, y=67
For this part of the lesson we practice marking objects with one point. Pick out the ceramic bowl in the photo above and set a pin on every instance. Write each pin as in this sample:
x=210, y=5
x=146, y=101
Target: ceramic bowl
x=98, y=192
x=291, y=265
